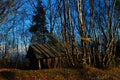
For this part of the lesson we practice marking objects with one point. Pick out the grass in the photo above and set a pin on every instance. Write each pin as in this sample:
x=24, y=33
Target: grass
x=87, y=73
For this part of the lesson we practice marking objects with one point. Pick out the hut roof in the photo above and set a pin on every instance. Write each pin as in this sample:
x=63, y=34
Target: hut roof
x=46, y=50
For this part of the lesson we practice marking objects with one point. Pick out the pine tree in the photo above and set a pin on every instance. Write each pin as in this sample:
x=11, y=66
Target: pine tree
x=38, y=26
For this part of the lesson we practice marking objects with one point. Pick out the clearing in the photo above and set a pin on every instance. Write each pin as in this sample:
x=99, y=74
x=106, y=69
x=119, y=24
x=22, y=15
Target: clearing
x=88, y=73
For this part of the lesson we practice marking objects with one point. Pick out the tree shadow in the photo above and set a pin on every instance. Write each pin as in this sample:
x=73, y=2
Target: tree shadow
x=7, y=75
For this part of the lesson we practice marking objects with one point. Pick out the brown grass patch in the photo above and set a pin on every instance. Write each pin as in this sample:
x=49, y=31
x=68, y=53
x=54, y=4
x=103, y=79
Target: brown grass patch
x=87, y=73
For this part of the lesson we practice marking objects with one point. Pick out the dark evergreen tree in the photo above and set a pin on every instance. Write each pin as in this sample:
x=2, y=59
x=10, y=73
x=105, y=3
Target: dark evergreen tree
x=38, y=28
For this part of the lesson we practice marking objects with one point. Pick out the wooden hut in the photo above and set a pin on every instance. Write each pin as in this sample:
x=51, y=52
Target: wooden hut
x=43, y=56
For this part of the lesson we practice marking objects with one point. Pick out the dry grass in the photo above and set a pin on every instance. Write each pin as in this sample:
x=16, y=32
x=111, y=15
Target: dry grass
x=88, y=73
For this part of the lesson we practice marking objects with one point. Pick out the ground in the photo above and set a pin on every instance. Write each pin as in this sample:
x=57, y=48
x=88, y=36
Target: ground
x=88, y=73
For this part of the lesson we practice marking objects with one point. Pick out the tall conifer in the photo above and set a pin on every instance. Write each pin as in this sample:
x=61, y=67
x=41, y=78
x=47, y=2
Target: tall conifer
x=38, y=26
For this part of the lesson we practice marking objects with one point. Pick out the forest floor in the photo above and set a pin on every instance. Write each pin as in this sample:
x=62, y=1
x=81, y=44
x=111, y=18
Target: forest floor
x=88, y=73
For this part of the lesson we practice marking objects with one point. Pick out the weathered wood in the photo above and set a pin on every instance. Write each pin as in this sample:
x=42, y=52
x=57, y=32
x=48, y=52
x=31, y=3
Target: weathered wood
x=49, y=62
x=42, y=56
x=39, y=64
x=56, y=62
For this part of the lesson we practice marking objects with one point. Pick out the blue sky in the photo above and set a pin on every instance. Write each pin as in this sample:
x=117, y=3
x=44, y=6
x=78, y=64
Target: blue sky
x=24, y=17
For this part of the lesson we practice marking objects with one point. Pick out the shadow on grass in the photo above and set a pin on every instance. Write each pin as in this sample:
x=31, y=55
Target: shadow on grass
x=7, y=75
